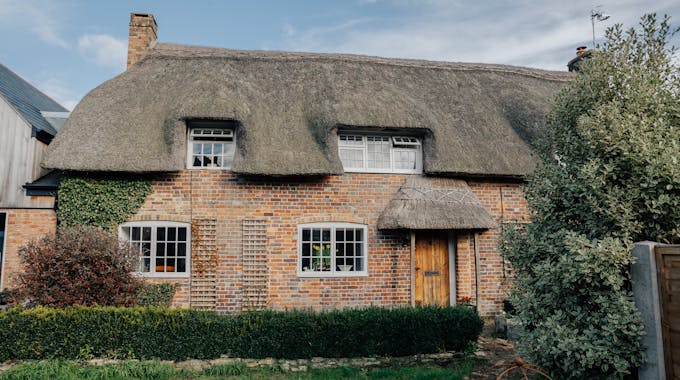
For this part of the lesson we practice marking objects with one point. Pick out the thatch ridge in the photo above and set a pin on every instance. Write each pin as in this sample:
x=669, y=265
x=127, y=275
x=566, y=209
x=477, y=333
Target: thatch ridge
x=475, y=119
x=177, y=51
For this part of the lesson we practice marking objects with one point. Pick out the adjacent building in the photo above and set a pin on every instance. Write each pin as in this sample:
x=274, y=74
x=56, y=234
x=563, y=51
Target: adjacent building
x=29, y=120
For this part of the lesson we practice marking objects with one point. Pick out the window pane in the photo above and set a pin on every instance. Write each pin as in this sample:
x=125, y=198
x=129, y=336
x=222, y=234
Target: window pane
x=340, y=234
x=160, y=249
x=378, y=154
x=171, y=249
x=135, y=234
x=196, y=149
x=146, y=233
x=359, y=234
x=170, y=265
x=160, y=265
x=349, y=251
x=306, y=251
x=146, y=249
x=160, y=234
x=217, y=149
x=181, y=265
x=359, y=249
x=181, y=249
x=340, y=249
x=145, y=265
x=305, y=234
x=316, y=235
x=207, y=148
x=352, y=158
x=405, y=159
x=182, y=234
x=172, y=233
x=359, y=264
x=326, y=235
x=350, y=235
x=306, y=263
x=316, y=264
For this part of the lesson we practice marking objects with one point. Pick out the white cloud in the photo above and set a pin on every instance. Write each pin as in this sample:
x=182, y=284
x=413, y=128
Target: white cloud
x=104, y=50
x=34, y=16
x=59, y=91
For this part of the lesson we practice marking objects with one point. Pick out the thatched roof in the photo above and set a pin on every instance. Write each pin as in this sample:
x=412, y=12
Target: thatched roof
x=476, y=119
x=435, y=203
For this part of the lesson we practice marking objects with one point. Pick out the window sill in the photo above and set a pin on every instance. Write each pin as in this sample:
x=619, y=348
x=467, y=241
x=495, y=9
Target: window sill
x=209, y=168
x=313, y=274
x=162, y=275
x=378, y=171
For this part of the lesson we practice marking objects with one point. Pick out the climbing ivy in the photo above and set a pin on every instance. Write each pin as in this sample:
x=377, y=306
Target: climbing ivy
x=99, y=202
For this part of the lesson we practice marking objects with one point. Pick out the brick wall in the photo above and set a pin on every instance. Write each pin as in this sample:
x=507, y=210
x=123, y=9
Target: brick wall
x=506, y=203
x=22, y=226
x=282, y=204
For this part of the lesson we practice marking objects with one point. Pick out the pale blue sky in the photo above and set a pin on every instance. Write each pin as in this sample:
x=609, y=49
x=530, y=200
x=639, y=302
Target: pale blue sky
x=68, y=47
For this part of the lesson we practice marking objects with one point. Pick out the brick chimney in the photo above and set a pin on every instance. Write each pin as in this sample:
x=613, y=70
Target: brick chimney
x=143, y=32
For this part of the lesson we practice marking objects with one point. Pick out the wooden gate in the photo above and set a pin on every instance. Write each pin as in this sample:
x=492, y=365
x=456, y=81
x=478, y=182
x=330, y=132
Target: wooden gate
x=668, y=272
x=431, y=267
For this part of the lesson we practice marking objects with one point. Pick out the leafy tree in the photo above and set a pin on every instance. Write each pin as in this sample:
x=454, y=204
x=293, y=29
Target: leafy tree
x=78, y=266
x=610, y=175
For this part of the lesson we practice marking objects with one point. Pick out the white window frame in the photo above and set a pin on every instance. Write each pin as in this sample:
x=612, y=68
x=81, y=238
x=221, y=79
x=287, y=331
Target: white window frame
x=333, y=272
x=399, y=143
x=228, y=135
x=154, y=226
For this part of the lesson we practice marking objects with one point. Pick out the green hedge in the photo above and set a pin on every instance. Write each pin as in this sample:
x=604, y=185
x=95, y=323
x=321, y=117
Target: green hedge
x=177, y=334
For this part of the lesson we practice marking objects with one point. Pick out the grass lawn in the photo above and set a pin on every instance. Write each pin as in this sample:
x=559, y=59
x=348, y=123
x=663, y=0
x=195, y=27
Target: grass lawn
x=63, y=370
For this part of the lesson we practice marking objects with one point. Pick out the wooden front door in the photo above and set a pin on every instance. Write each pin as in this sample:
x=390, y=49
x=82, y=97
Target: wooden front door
x=431, y=268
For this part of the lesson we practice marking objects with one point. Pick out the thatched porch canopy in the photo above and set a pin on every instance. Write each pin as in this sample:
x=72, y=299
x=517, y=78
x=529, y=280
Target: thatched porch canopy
x=474, y=119
x=424, y=203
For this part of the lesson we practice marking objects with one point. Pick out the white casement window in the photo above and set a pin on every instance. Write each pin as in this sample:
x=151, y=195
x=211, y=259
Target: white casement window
x=380, y=153
x=332, y=250
x=210, y=146
x=164, y=247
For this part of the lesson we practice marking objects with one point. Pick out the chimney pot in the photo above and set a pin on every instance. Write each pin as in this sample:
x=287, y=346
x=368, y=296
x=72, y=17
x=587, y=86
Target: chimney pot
x=143, y=32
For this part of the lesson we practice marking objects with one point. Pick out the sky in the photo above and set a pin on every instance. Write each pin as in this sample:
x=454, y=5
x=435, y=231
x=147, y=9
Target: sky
x=68, y=47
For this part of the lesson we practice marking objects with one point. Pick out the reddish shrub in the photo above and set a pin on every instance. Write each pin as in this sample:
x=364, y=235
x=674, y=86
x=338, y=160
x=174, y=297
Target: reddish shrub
x=78, y=266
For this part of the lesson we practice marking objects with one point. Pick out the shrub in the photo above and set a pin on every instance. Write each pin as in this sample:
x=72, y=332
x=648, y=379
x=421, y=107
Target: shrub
x=78, y=266
x=178, y=334
x=609, y=176
x=155, y=294
x=8, y=297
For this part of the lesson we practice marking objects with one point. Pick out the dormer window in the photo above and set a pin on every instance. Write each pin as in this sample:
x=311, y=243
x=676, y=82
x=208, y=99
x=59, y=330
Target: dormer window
x=211, y=145
x=380, y=153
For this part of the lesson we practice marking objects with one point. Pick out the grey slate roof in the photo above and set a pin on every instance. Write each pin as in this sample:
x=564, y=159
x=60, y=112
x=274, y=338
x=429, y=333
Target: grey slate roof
x=475, y=119
x=424, y=203
x=28, y=100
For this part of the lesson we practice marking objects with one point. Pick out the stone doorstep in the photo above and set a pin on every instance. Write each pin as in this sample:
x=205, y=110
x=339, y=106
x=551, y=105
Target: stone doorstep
x=291, y=365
